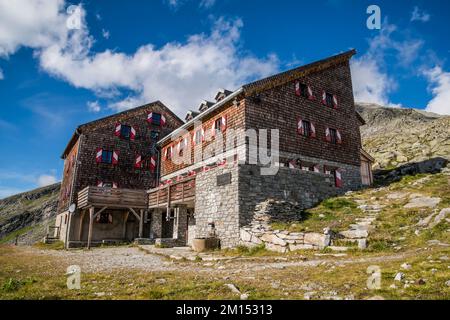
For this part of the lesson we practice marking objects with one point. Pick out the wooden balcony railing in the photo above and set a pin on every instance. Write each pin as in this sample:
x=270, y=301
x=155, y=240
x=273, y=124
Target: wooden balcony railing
x=175, y=193
x=112, y=198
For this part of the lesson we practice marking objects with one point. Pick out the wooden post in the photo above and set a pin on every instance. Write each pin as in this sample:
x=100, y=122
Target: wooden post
x=91, y=221
x=124, y=231
x=141, y=223
x=80, y=230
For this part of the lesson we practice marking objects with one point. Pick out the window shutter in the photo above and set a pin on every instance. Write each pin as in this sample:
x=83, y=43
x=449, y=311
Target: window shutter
x=338, y=136
x=300, y=127
x=203, y=134
x=324, y=98
x=150, y=117
x=132, y=133
x=99, y=183
x=310, y=93
x=297, y=88
x=292, y=164
x=98, y=155
x=117, y=130
x=335, y=101
x=313, y=130
x=223, y=123
x=327, y=135
x=114, y=185
x=138, y=161
x=163, y=120
x=193, y=137
x=115, y=157
x=338, y=178
x=213, y=129
x=152, y=165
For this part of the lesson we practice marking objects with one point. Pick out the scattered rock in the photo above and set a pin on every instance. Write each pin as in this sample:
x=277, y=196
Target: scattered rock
x=423, y=202
x=233, y=288
x=406, y=266
x=399, y=276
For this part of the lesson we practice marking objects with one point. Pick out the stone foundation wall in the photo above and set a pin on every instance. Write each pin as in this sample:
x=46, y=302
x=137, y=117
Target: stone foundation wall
x=229, y=209
x=305, y=188
x=218, y=205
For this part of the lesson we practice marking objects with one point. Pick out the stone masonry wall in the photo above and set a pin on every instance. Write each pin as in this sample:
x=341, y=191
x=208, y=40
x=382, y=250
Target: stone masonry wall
x=306, y=188
x=218, y=205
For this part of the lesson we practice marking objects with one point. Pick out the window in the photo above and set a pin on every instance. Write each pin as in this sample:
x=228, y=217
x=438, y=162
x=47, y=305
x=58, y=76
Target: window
x=333, y=136
x=107, y=156
x=329, y=100
x=107, y=185
x=182, y=145
x=306, y=128
x=156, y=119
x=169, y=153
x=125, y=132
x=304, y=90
x=218, y=125
x=198, y=137
x=104, y=217
x=154, y=135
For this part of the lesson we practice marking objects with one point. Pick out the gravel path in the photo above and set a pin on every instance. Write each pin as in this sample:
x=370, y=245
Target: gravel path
x=111, y=259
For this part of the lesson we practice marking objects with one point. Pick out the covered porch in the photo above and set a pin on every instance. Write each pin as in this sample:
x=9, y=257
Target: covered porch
x=108, y=215
x=172, y=212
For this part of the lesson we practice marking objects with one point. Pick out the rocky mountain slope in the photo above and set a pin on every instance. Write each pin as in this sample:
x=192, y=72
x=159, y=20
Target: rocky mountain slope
x=394, y=136
x=28, y=214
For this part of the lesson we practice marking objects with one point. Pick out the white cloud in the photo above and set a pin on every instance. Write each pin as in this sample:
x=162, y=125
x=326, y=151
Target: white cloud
x=6, y=191
x=418, y=15
x=1, y=75
x=105, y=34
x=207, y=3
x=179, y=74
x=33, y=24
x=371, y=82
x=440, y=88
x=93, y=106
x=45, y=180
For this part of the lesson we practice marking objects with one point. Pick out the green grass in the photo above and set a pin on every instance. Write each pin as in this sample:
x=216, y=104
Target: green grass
x=11, y=236
x=57, y=245
x=334, y=213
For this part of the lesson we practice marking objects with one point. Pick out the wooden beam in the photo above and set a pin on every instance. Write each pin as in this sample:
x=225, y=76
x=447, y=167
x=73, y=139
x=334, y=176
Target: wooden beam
x=80, y=229
x=91, y=221
x=141, y=223
x=100, y=211
x=124, y=231
x=135, y=214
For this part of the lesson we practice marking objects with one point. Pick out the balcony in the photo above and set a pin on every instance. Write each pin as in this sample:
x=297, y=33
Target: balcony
x=180, y=192
x=112, y=198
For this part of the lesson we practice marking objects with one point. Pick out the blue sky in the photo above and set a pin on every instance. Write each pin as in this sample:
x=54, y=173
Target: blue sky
x=123, y=54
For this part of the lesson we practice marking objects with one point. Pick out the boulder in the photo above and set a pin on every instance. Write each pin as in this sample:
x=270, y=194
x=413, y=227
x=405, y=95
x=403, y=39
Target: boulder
x=422, y=202
x=276, y=248
x=317, y=239
x=354, y=234
x=273, y=239
x=245, y=236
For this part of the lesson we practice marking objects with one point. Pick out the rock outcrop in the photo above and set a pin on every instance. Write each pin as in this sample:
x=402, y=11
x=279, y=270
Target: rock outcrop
x=28, y=214
x=395, y=136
